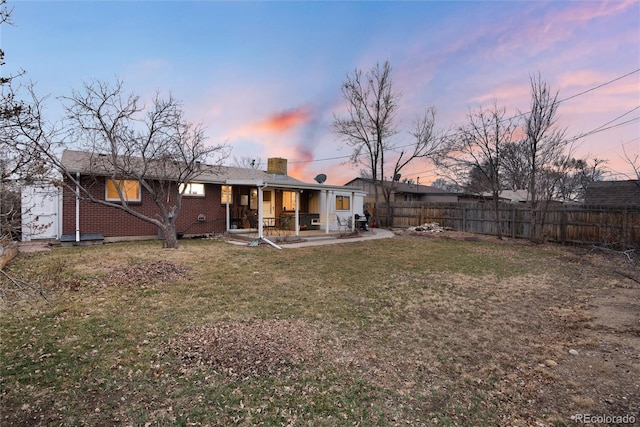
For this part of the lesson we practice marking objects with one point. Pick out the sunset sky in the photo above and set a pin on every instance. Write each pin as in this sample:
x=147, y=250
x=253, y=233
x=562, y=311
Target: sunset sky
x=265, y=77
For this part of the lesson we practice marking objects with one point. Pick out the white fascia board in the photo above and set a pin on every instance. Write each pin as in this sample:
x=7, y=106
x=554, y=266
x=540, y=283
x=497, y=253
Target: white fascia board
x=318, y=187
x=294, y=186
x=248, y=182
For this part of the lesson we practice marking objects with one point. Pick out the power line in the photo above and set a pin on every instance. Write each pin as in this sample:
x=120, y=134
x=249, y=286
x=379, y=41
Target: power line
x=594, y=131
x=602, y=129
x=621, y=145
x=599, y=86
x=619, y=117
x=319, y=160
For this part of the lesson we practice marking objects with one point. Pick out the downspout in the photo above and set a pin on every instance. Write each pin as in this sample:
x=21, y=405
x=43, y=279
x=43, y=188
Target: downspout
x=77, y=207
x=227, y=209
x=60, y=193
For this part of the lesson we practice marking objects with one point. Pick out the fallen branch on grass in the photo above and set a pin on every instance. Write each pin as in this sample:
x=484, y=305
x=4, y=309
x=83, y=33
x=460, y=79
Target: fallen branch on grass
x=628, y=253
x=25, y=288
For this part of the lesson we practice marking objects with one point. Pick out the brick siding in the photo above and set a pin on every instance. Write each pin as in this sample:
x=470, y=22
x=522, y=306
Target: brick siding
x=114, y=222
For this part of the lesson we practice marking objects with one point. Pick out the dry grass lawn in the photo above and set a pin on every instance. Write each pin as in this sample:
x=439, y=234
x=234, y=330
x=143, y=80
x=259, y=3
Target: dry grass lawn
x=412, y=330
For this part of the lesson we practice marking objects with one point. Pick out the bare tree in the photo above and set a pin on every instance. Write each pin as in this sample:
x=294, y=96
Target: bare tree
x=20, y=163
x=574, y=176
x=446, y=185
x=370, y=125
x=515, y=166
x=154, y=146
x=545, y=143
x=634, y=162
x=566, y=178
x=475, y=151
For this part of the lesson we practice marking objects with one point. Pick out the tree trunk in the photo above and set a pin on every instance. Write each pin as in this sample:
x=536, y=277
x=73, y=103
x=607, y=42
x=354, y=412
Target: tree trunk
x=170, y=237
x=496, y=213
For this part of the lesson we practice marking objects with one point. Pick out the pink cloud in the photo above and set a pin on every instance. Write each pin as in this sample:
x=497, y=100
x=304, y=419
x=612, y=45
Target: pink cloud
x=300, y=163
x=581, y=78
x=544, y=31
x=507, y=95
x=285, y=120
x=587, y=11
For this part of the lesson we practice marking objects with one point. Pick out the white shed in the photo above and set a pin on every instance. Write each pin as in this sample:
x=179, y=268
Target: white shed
x=41, y=212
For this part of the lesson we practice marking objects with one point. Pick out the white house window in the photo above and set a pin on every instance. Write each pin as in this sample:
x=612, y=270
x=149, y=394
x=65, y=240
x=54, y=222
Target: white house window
x=130, y=189
x=227, y=195
x=192, y=189
x=343, y=203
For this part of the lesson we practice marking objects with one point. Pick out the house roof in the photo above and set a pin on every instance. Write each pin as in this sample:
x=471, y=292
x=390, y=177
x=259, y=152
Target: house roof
x=511, y=195
x=404, y=187
x=613, y=193
x=88, y=163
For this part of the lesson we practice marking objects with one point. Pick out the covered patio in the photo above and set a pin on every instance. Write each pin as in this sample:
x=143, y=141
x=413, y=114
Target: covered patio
x=272, y=210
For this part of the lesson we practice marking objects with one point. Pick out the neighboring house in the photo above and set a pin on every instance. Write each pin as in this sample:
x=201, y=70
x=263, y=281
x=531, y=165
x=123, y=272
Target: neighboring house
x=510, y=196
x=220, y=199
x=403, y=192
x=613, y=193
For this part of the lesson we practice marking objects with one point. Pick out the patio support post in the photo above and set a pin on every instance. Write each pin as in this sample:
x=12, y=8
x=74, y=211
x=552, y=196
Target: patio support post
x=260, y=212
x=353, y=218
x=326, y=207
x=297, y=220
x=227, y=210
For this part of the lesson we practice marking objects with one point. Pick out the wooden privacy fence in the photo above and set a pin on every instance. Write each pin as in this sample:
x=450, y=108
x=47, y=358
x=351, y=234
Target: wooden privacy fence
x=566, y=224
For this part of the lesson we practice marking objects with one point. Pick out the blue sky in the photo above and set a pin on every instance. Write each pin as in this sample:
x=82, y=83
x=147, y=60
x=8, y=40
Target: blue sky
x=265, y=76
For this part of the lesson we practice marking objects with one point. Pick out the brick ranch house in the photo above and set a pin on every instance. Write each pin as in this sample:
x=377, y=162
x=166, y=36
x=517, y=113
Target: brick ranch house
x=221, y=199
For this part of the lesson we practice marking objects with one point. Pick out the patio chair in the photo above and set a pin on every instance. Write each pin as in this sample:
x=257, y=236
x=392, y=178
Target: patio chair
x=344, y=224
x=252, y=221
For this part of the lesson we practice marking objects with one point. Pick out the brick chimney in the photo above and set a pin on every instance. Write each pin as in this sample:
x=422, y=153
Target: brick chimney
x=277, y=166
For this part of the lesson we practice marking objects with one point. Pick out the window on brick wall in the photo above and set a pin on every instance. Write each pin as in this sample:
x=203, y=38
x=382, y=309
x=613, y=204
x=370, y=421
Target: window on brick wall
x=130, y=189
x=192, y=189
x=227, y=195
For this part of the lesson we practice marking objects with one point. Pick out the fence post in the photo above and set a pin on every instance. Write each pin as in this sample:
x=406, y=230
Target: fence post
x=464, y=218
x=563, y=226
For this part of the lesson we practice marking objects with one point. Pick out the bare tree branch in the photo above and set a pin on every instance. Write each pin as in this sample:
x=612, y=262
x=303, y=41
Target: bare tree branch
x=475, y=153
x=370, y=125
x=155, y=146
x=544, y=143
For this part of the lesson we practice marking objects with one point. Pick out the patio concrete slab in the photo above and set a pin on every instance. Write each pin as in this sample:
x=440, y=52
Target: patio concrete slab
x=319, y=239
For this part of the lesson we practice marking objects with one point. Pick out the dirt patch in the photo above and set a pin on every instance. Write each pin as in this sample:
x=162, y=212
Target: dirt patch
x=247, y=349
x=145, y=273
